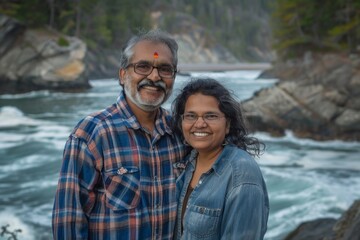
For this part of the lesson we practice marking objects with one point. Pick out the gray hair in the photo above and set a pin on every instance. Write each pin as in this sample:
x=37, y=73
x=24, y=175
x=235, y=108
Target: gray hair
x=156, y=36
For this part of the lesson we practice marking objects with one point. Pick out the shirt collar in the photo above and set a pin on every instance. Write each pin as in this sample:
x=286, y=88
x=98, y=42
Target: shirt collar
x=162, y=121
x=220, y=163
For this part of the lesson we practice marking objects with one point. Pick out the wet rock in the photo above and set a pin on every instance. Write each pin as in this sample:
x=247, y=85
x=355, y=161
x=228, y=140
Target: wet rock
x=39, y=59
x=316, y=97
x=344, y=228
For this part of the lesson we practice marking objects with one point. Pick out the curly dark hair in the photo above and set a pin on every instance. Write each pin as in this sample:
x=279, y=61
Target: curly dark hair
x=238, y=134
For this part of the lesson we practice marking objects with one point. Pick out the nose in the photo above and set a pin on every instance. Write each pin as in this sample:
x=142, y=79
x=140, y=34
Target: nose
x=200, y=122
x=154, y=75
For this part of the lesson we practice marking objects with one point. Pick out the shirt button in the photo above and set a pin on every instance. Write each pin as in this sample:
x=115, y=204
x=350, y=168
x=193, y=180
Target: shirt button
x=200, y=182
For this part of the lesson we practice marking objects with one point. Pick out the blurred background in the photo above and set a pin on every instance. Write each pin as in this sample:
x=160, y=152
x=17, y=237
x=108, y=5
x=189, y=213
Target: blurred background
x=294, y=65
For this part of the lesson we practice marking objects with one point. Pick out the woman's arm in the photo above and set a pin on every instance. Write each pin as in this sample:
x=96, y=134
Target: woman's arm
x=245, y=213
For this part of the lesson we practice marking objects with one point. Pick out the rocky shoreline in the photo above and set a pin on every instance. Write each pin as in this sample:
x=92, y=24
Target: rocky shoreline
x=317, y=97
x=37, y=59
x=344, y=228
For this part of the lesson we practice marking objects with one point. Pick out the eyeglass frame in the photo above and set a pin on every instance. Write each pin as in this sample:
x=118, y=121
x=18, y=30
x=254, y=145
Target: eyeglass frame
x=152, y=69
x=204, y=119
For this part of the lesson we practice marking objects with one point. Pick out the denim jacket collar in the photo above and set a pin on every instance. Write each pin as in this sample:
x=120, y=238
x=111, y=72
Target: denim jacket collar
x=220, y=163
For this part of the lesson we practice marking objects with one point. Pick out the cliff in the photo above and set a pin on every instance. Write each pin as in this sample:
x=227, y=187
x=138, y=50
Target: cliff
x=36, y=59
x=195, y=47
x=317, y=96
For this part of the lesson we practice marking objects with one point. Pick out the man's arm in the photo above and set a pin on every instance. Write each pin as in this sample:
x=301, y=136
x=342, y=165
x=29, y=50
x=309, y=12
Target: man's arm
x=74, y=196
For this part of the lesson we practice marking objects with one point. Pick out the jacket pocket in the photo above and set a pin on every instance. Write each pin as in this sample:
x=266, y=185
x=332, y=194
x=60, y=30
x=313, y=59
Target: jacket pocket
x=122, y=187
x=201, y=221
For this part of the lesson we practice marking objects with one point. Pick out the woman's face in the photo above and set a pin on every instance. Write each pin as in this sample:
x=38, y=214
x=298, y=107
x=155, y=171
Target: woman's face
x=204, y=126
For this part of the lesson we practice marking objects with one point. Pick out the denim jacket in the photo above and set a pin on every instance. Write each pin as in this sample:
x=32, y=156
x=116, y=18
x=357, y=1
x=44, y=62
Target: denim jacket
x=230, y=201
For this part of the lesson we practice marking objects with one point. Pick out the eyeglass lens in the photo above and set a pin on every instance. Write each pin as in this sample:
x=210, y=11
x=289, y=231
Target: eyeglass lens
x=146, y=69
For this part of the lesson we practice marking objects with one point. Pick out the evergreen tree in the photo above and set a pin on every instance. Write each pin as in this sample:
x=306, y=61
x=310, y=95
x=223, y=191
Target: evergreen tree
x=302, y=25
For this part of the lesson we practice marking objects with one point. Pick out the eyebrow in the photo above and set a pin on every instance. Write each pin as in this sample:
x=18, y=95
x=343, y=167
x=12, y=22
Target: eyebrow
x=159, y=63
x=144, y=61
x=210, y=112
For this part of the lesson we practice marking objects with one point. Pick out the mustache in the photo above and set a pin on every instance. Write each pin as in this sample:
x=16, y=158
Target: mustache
x=147, y=82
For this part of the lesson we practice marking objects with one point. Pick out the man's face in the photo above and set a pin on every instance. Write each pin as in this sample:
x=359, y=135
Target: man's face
x=148, y=92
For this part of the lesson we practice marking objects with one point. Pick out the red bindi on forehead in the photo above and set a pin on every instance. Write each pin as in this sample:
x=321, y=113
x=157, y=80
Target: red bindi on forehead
x=156, y=55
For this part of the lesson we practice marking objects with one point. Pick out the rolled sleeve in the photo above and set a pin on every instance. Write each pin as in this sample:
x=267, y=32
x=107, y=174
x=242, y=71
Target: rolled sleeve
x=245, y=214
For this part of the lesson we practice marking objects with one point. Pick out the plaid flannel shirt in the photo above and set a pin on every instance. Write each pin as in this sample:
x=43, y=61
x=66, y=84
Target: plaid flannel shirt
x=117, y=181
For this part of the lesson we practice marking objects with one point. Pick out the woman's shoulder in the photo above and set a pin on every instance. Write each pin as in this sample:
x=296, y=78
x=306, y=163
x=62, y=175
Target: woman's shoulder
x=243, y=166
x=237, y=155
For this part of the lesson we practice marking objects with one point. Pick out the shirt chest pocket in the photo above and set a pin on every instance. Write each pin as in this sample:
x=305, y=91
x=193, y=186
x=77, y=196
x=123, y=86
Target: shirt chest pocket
x=122, y=187
x=202, y=222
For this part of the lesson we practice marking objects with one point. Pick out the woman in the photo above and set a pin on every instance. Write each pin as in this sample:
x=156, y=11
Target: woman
x=222, y=194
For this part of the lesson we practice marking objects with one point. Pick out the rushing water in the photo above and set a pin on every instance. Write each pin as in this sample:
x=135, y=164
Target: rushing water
x=306, y=179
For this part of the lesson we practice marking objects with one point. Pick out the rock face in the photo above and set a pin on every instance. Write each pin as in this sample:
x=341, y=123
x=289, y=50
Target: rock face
x=317, y=97
x=345, y=228
x=39, y=59
x=195, y=43
x=34, y=60
x=195, y=46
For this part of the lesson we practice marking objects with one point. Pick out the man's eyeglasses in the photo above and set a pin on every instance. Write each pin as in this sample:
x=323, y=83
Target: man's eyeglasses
x=145, y=69
x=207, y=117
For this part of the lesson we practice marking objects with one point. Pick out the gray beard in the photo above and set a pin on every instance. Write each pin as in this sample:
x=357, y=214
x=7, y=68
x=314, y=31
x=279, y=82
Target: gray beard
x=139, y=103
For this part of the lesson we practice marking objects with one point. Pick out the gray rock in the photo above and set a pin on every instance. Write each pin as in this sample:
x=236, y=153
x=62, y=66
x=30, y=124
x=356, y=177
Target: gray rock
x=195, y=47
x=319, y=229
x=344, y=228
x=33, y=60
x=347, y=227
x=317, y=97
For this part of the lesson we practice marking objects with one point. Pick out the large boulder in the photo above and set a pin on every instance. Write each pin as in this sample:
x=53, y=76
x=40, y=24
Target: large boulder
x=316, y=97
x=344, y=228
x=36, y=59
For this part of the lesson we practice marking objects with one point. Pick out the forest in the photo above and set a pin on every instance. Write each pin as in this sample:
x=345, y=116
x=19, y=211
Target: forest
x=291, y=27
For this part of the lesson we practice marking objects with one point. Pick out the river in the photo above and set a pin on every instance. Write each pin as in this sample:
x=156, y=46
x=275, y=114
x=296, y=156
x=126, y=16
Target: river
x=306, y=179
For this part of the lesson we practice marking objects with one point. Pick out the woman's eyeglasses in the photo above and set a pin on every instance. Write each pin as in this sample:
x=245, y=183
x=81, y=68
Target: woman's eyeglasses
x=207, y=117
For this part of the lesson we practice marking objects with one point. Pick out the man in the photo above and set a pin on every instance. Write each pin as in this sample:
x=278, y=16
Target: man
x=117, y=180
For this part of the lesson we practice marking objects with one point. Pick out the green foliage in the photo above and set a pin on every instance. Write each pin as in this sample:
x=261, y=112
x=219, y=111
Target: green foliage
x=9, y=8
x=63, y=42
x=33, y=12
x=106, y=22
x=109, y=23
x=316, y=25
x=66, y=17
x=234, y=23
